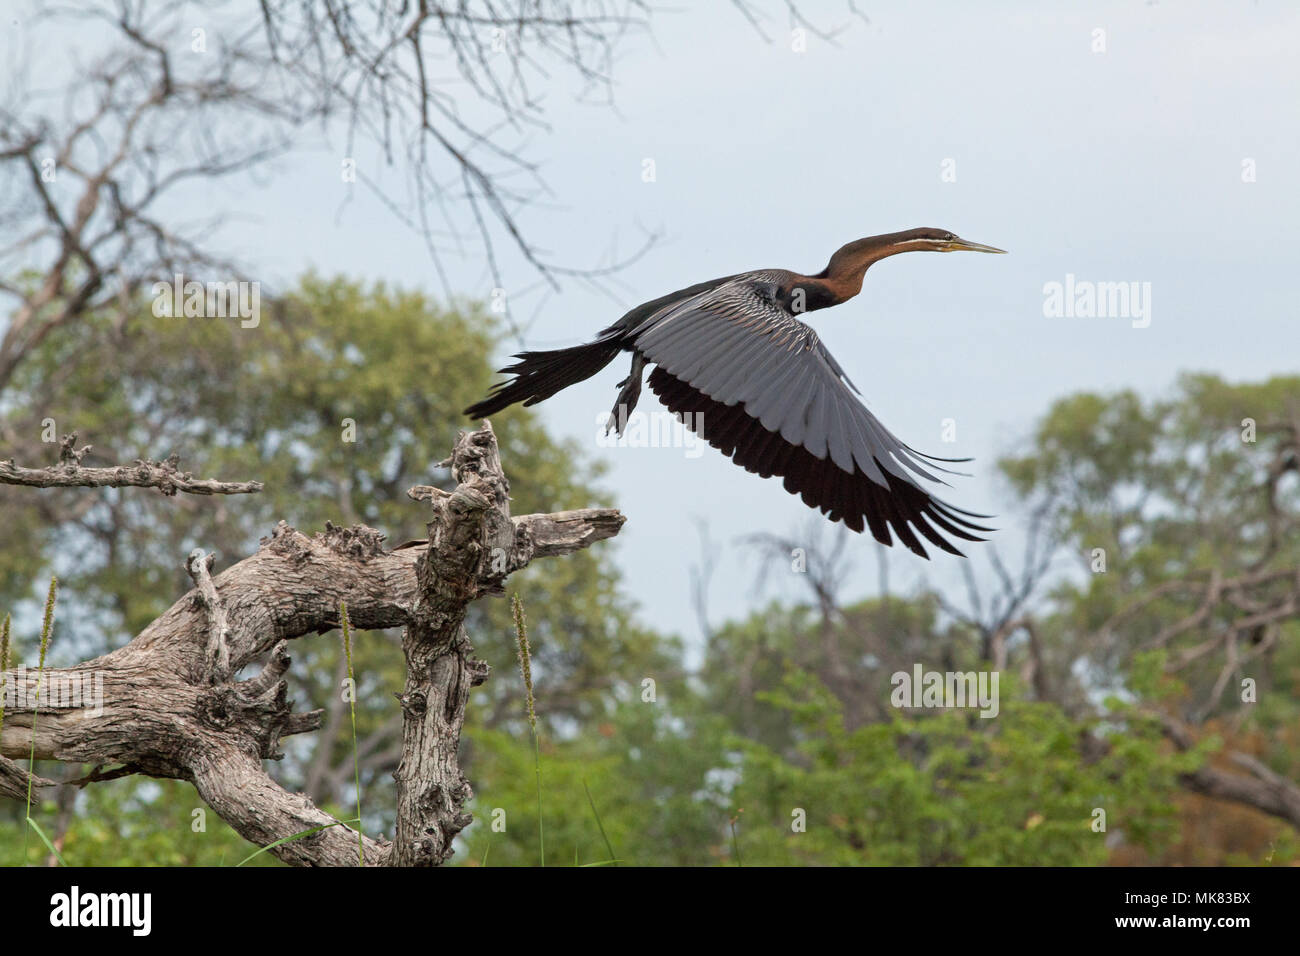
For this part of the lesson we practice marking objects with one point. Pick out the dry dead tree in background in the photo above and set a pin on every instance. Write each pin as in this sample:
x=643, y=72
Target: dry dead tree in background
x=173, y=706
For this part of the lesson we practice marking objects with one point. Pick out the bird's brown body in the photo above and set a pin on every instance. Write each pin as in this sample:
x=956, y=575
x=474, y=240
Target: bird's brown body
x=736, y=363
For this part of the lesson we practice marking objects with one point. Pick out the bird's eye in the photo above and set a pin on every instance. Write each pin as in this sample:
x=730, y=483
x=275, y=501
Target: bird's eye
x=949, y=236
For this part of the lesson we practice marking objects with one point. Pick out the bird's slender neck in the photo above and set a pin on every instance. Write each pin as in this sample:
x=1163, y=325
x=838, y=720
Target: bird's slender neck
x=843, y=274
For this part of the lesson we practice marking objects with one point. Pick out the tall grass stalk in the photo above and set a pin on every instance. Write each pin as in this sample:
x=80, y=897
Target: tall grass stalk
x=47, y=628
x=526, y=669
x=4, y=669
x=352, y=707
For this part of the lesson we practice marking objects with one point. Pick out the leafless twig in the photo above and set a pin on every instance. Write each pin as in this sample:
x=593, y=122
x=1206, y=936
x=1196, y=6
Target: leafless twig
x=164, y=475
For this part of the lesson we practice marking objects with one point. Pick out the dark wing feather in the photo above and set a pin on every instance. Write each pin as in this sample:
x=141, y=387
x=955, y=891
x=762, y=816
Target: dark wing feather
x=758, y=385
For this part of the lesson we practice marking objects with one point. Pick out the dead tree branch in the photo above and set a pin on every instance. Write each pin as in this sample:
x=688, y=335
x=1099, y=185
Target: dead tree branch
x=164, y=475
x=13, y=780
x=1259, y=787
x=159, y=705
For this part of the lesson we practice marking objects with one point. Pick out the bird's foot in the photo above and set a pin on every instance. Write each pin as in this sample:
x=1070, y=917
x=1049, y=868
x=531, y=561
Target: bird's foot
x=624, y=405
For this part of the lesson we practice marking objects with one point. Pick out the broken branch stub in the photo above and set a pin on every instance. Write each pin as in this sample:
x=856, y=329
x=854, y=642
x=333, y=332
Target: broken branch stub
x=473, y=545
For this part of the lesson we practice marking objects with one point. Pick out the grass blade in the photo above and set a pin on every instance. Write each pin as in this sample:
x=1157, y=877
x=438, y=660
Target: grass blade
x=526, y=668
x=46, y=840
x=47, y=627
x=352, y=708
x=295, y=836
x=613, y=857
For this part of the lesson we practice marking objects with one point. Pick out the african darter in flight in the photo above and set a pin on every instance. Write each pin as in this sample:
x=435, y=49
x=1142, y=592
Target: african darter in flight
x=733, y=359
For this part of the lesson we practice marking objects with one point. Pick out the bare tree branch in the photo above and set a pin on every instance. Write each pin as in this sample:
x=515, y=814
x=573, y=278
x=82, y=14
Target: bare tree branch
x=144, y=473
x=1259, y=787
x=14, y=780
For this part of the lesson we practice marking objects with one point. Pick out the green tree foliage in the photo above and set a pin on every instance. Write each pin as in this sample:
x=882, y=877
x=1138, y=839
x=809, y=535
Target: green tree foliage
x=132, y=822
x=887, y=787
x=949, y=788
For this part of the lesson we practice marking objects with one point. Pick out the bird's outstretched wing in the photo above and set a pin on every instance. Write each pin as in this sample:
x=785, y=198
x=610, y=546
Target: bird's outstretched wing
x=757, y=384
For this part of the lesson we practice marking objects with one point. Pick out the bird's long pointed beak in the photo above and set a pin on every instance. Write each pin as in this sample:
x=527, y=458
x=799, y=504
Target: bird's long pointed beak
x=965, y=245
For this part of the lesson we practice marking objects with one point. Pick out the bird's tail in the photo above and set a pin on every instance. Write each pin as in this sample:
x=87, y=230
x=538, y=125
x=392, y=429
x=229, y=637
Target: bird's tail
x=539, y=375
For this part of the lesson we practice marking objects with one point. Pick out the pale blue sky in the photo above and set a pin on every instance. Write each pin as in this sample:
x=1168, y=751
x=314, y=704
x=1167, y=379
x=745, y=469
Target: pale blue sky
x=1122, y=165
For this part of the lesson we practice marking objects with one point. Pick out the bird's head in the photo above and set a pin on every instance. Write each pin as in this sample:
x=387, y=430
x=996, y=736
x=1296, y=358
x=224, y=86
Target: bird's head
x=926, y=239
x=914, y=240
x=933, y=240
